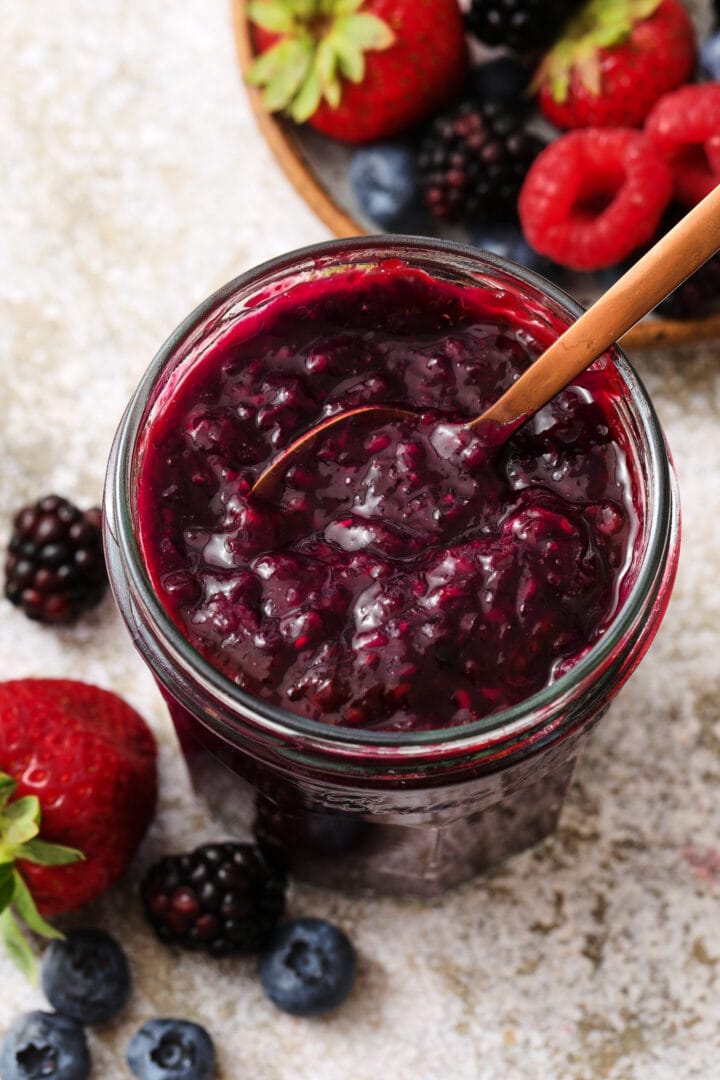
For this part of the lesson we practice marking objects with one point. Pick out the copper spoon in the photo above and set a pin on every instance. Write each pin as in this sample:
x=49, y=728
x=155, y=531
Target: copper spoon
x=676, y=255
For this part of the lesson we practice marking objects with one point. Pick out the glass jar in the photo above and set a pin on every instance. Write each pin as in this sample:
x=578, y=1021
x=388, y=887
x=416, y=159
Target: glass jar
x=371, y=811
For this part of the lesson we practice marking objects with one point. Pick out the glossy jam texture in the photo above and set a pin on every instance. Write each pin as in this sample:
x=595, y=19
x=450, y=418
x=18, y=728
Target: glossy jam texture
x=403, y=578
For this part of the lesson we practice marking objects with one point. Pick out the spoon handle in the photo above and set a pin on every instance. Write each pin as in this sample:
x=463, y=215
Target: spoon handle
x=675, y=256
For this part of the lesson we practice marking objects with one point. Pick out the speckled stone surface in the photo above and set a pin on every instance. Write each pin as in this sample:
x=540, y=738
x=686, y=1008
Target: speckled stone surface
x=133, y=183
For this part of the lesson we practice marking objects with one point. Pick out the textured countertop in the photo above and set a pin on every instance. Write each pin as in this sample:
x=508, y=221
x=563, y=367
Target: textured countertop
x=133, y=183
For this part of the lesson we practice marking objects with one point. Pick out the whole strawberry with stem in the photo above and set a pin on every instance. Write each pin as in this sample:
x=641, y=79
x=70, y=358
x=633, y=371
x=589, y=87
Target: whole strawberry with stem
x=358, y=70
x=77, y=791
x=613, y=62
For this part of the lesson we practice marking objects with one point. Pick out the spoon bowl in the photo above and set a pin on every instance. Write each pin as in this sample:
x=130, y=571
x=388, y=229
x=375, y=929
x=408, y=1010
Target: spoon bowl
x=677, y=255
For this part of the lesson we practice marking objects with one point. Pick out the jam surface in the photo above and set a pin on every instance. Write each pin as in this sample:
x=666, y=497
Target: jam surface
x=405, y=577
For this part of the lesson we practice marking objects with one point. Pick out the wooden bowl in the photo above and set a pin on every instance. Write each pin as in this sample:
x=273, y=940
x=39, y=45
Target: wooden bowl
x=284, y=139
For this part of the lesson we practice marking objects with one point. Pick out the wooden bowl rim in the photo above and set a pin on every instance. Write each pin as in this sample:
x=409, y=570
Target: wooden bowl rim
x=651, y=333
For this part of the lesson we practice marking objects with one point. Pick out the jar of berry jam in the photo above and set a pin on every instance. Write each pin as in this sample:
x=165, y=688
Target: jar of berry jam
x=386, y=672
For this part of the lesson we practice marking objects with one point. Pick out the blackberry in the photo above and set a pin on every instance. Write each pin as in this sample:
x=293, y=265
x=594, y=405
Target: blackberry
x=696, y=297
x=55, y=567
x=219, y=898
x=524, y=26
x=473, y=161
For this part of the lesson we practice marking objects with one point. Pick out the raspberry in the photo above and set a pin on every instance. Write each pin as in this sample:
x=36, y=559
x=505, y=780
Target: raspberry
x=594, y=196
x=684, y=127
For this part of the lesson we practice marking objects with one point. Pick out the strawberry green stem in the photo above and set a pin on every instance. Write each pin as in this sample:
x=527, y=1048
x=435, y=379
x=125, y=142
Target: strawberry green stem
x=320, y=44
x=19, y=839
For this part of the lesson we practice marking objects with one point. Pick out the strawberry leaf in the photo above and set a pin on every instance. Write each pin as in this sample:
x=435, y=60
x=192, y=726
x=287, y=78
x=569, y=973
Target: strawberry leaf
x=7, y=885
x=269, y=65
x=351, y=61
x=307, y=10
x=366, y=31
x=283, y=86
x=326, y=63
x=321, y=43
x=274, y=15
x=19, y=828
x=7, y=787
x=45, y=854
x=18, y=949
x=346, y=7
x=25, y=906
x=307, y=101
x=20, y=821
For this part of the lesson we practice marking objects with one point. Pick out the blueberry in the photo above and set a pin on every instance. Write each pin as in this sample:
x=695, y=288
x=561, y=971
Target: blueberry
x=309, y=967
x=44, y=1046
x=384, y=179
x=508, y=241
x=502, y=79
x=166, y=1049
x=710, y=56
x=86, y=976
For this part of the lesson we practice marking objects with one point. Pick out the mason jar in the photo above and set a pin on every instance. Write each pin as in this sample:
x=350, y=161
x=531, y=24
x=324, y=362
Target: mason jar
x=404, y=813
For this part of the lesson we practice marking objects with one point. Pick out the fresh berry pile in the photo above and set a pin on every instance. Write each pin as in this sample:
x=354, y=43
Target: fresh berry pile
x=621, y=90
x=86, y=978
x=307, y=967
x=228, y=898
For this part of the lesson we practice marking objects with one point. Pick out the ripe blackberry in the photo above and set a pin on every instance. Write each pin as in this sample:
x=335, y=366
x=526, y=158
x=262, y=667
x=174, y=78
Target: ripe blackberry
x=473, y=162
x=55, y=567
x=696, y=297
x=525, y=26
x=219, y=898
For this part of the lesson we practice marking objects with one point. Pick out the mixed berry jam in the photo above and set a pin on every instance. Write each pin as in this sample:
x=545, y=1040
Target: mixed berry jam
x=405, y=577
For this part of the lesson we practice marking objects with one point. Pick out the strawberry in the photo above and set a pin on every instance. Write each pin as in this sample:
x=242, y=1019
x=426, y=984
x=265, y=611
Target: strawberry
x=77, y=792
x=616, y=58
x=358, y=70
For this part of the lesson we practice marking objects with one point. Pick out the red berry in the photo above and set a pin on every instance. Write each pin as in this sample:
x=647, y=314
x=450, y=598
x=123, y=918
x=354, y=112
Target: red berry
x=381, y=69
x=594, y=196
x=91, y=761
x=684, y=126
x=616, y=58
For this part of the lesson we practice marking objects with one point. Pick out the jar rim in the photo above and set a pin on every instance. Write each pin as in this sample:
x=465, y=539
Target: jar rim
x=502, y=726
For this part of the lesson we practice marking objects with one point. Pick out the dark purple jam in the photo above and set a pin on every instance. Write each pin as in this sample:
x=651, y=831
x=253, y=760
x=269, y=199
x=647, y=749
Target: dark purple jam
x=403, y=579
